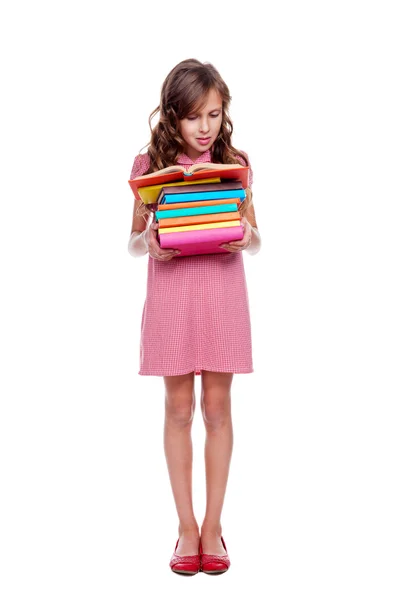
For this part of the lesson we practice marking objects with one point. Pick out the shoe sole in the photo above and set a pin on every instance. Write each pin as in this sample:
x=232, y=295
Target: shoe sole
x=215, y=572
x=188, y=573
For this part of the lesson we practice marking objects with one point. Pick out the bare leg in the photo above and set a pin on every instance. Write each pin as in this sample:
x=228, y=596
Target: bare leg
x=179, y=413
x=216, y=411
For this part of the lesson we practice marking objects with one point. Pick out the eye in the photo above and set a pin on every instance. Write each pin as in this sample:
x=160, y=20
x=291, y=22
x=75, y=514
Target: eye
x=215, y=115
x=191, y=118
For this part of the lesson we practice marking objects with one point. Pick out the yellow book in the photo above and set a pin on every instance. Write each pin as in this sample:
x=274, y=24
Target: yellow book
x=150, y=193
x=201, y=226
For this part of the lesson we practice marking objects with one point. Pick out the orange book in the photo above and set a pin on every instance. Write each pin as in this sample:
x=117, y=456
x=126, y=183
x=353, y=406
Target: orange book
x=198, y=219
x=190, y=174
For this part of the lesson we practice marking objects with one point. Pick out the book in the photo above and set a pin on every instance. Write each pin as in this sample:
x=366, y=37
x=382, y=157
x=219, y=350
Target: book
x=149, y=193
x=206, y=226
x=203, y=241
x=200, y=187
x=176, y=173
x=192, y=196
x=196, y=210
x=198, y=219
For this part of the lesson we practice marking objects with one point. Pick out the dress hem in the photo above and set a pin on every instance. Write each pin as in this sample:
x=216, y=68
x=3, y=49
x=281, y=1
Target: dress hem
x=196, y=371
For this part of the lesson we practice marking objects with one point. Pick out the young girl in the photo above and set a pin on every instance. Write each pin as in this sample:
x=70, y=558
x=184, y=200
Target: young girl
x=196, y=315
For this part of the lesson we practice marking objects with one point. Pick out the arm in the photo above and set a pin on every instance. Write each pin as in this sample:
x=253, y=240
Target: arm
x=254, y=237
x=143, y=238
x=139, y=235
x=251, y=242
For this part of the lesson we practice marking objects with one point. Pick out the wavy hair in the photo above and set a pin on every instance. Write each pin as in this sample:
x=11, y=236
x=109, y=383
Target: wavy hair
x=183, y=92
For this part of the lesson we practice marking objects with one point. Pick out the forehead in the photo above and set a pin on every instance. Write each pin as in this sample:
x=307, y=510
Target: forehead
x=210, y=101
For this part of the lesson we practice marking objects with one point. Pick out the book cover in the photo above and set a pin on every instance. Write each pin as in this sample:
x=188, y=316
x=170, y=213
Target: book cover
x=199, y=220
x=149, y=194
x=199, y=171
x=205, y=241
x=196, y=210
x=217, y=225
x=192, y=196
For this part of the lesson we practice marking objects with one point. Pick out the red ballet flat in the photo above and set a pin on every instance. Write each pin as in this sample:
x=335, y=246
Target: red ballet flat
x=213, y=564
x=185, y=565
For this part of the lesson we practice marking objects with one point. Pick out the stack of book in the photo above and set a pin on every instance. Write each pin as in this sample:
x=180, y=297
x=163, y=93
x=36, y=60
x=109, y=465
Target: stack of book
x=199, y=212
x=196, y=219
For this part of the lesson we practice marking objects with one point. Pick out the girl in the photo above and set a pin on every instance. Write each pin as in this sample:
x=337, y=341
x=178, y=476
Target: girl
x=196, y=314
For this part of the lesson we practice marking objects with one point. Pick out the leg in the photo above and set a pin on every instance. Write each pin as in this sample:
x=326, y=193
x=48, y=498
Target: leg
x=216, y=412
x=179, y=413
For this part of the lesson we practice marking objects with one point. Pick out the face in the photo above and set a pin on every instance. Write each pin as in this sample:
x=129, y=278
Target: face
x=200, y=129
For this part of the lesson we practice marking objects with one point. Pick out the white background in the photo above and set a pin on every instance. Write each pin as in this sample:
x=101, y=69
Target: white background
x=311, y=506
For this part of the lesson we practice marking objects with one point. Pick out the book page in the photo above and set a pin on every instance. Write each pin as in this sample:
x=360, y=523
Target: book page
x=209, y=166
x=171, y=169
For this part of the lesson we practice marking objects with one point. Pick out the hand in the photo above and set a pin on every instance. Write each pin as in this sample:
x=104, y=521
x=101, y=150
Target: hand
x=154, y=249
x=240, y=245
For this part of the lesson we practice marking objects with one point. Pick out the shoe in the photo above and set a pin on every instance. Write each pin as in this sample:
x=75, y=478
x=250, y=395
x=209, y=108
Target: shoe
x=212, y=564
x=184, y=565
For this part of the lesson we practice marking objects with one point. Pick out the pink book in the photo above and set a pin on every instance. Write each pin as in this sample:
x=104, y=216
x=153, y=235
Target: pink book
x=201, y=241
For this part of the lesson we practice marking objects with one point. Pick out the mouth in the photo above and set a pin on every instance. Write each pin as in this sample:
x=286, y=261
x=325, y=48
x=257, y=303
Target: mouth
x=203, y=140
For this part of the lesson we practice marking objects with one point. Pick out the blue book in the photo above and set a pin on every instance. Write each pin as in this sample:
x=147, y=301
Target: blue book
x=193, y=196
x=200, y=210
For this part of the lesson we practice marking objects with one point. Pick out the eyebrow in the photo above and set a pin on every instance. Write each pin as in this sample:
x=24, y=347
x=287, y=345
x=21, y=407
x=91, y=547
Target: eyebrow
x=211, y=111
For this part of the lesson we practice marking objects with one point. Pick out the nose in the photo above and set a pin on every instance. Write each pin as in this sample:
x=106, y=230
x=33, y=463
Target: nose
x=204, y=125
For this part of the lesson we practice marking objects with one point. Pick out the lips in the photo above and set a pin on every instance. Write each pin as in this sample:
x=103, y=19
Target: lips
x=203, y=140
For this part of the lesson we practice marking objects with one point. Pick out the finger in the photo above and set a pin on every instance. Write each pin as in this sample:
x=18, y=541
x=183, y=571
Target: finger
x=240, y=244
x=168, y=251
x=166, y=255
x=236, y=247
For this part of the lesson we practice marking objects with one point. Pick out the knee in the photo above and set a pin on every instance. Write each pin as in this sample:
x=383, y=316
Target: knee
x=179, y=409
x=216, y=409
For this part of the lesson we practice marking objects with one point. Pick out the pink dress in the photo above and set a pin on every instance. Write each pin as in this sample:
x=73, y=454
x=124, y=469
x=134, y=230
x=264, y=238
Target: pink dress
x=196, y=312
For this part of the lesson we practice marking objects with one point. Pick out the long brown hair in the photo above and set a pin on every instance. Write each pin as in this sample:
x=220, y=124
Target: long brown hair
x=184, y=91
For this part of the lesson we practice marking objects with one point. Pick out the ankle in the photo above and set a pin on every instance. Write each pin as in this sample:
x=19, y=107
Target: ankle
x=188, y=530
x=211, y=529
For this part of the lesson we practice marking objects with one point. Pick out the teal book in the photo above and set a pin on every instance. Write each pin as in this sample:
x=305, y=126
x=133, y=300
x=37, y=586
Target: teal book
x=200, y=210
x=195, y=196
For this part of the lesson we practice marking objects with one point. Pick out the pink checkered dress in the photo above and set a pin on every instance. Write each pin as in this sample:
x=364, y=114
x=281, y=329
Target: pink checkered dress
x=196, y=312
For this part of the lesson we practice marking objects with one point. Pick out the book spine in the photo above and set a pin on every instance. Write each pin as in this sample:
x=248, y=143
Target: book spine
x=201, y=187
x=199, y=219
x=149, y=193
x=215, y=225
x=190, y=197
x=204, y=236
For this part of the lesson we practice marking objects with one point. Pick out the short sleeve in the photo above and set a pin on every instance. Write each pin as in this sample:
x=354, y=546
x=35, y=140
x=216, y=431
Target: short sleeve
x=242, y=161
x=141, y=165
